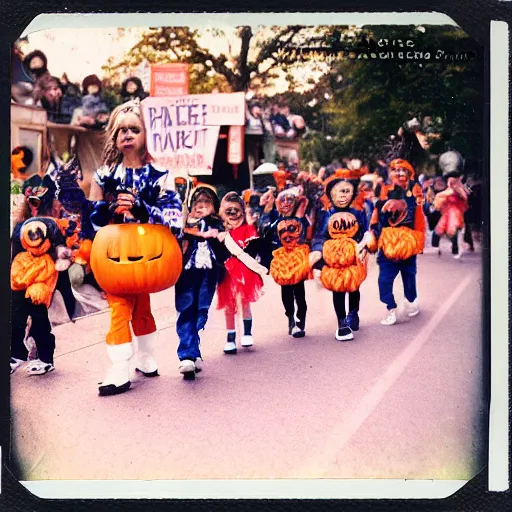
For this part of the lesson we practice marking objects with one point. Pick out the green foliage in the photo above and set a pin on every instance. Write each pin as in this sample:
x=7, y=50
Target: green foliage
x=16, y=188
x=377, y=96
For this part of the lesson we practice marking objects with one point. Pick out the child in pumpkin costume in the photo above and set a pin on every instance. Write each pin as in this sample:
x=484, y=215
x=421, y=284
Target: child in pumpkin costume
x=339, y=231
x=290, y=260
x=243, y=282
x=203, y=264
x=399, y=224
x=33, y=280
x=129, y=189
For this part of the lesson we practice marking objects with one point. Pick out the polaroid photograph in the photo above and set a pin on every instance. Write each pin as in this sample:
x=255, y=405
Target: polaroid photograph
x=249, y=256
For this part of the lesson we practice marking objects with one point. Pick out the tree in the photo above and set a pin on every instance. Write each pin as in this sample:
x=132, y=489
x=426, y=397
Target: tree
x=376, y=95
x=253, y=62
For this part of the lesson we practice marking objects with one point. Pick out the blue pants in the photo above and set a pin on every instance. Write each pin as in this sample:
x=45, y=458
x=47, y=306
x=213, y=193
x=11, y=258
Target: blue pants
x=389, y=269
x=194, y=294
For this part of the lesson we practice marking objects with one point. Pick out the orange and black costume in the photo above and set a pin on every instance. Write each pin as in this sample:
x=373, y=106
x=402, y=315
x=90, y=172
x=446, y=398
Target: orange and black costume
x=399, y=224
x=337, y=234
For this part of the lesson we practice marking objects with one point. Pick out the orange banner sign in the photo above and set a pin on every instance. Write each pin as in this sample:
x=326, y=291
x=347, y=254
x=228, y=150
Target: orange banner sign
x=169, y=80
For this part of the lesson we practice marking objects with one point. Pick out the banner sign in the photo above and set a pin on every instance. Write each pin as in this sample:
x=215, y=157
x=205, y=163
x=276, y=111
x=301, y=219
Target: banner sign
x=183, y=130
x=236, y=144
x=169, y=80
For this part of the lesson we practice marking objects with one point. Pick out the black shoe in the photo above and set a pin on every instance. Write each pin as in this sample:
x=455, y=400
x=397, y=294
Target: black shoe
x=299, y=331
x=112, y=389
x=344, y=334
x=353, y=320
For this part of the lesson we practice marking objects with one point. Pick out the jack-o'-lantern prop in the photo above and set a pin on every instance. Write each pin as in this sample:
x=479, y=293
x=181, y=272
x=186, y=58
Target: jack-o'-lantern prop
x=34, y=269
x=129, y=259
x=290, y=263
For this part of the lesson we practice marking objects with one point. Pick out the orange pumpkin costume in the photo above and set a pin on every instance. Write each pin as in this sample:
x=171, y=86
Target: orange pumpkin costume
x=343, y=226
x=399, y=223
x=33, y=280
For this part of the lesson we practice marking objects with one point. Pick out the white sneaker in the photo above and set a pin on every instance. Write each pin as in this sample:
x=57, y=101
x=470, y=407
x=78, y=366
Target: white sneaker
x=187, y=366
x=390, y=319
x=230, y=347
x=16, y=363
x=198, y=365
x=413, y=308
x=246, y=340
x=38, y=367
x=458, y=256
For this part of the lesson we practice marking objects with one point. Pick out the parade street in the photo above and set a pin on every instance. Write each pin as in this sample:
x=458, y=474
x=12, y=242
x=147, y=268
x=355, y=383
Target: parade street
x=403, y=401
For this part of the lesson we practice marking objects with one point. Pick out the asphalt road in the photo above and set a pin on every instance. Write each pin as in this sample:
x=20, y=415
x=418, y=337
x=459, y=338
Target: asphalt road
x=404, y=401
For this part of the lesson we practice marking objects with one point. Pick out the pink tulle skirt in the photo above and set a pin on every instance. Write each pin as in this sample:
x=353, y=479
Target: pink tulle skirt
x=239, y=284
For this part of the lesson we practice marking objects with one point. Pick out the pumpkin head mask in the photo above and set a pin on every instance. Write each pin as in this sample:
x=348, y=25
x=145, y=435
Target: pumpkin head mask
x=395, y=211
x=128, y=259
x=342, y=224
x=38, y=234
x=289, y=232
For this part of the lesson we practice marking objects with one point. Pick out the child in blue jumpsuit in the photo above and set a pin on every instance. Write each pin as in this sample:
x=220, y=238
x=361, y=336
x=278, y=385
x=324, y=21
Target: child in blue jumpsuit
x=203, y=261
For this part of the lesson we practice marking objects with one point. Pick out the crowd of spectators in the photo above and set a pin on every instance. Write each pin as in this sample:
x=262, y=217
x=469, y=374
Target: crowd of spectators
x=65, y=102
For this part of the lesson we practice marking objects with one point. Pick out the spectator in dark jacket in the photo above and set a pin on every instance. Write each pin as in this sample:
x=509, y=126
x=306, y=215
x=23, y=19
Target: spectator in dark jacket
x=132, y=88
x=36, y=64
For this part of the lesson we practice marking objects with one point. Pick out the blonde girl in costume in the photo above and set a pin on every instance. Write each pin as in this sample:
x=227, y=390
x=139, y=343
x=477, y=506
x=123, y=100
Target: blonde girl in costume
x=242, y=283
x=128, y=189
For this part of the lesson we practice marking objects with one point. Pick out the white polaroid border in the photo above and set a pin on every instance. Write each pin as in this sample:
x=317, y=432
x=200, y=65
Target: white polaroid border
x=499, y=231
x=327, y=488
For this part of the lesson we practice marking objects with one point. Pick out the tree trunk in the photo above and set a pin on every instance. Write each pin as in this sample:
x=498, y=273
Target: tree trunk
x=243, y=79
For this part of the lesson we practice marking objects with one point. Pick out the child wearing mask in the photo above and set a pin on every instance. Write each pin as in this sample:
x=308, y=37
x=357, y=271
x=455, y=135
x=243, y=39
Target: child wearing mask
x=203, y=263
x=243, y=282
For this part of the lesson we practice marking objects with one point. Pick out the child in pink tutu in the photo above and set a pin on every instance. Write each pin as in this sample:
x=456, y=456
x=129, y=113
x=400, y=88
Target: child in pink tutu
x=243, y=281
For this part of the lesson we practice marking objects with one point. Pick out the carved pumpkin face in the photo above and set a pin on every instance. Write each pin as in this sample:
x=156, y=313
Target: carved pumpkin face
x=289, y=232
x=128, y=259
x=37, y=234
x=395, y=211
x=343, y=224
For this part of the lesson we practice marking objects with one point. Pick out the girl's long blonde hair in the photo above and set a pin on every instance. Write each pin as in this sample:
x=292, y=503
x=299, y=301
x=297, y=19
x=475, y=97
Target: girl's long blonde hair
x=111, y=155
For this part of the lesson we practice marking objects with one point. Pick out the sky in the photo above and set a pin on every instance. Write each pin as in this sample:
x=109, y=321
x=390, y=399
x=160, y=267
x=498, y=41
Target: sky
x=79, y=52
